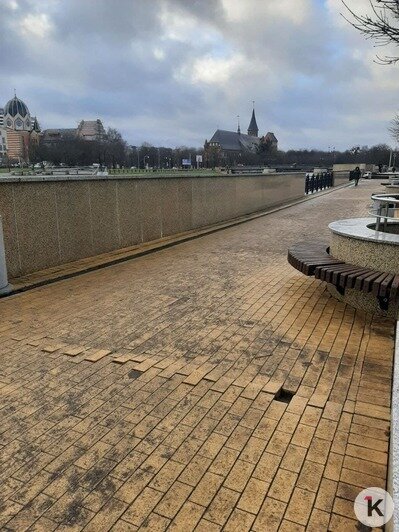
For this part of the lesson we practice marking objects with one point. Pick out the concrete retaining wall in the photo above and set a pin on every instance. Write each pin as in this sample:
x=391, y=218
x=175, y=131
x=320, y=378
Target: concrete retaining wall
x=50, y=222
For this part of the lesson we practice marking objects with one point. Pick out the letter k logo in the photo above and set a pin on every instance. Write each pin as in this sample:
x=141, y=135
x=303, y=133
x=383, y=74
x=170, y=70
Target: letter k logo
x=373, y=507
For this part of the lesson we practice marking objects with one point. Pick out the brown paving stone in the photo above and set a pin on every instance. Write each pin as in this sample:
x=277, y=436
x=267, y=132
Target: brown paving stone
x=224, y=461
x=311, y=416
x=252, y=497
x=155, y=523
x=134, y=485
x=107, y=516
x=325, y=495
x=364, y=466
x=310, y=476
x=173, y=500
x=195, y=470
x=270, y=515
x=303, y=435
x=222, y=506
x=339, y=523
x=347, y=491
x=289, y=526
x=142, y=506
x=318, y=451
x=293, y=458
x=363, y=480
x=32, y=488
x=239, y=521
x=207, y=526
x=206, y=489
x=188, y=517
x=253, y=450
x=239, y=475
x=43, y=525
x=318, y=521
x=300, y=506
x=267, y=467
x=282, y=485
x=123, y=526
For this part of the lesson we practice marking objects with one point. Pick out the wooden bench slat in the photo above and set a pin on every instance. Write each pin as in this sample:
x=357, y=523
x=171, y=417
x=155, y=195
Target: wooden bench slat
x=346, y=278
x=327, y=273
x=394, y=290
x=336, y=276
x=351, y=278
x=376, y=287
x=363, y=281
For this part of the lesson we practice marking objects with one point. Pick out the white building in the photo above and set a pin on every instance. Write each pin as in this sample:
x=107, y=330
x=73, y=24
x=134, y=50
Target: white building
x=3, y=144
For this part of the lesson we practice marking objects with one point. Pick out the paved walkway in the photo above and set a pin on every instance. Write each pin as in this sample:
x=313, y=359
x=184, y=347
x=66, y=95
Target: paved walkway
x=208, y=386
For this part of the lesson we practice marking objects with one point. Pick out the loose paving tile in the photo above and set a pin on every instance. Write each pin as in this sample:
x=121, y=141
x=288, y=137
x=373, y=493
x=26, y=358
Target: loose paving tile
x=207, y=386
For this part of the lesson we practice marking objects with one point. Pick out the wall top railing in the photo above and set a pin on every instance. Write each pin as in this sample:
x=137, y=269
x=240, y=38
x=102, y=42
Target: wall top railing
x=319, y=181
x=385, y=208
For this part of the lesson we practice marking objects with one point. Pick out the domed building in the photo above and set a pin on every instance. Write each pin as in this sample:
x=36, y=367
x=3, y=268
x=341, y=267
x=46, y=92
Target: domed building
x=17, y=116
x=21, y=129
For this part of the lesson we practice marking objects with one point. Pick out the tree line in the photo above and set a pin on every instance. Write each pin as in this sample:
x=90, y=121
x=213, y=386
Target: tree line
x=114, y=152
x=111, y=152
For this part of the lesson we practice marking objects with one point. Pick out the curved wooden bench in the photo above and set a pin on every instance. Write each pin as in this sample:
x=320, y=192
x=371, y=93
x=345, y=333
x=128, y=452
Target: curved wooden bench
x=307, y=256
x=312, y=258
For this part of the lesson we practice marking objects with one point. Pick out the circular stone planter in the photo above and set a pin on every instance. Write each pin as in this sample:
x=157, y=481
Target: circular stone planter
x=355, y=241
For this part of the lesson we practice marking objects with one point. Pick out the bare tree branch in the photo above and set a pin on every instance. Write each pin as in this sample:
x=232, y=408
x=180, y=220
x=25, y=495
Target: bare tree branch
x=382, y=25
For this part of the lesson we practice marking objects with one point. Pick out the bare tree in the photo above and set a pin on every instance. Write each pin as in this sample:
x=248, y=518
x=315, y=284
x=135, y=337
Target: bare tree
x=382, y=25
x=394, y=128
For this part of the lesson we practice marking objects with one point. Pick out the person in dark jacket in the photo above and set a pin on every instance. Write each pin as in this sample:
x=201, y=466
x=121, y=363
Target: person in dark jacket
x=356, y=175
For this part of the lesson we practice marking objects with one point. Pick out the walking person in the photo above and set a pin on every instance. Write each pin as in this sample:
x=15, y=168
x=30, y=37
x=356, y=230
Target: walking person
x=356, y=175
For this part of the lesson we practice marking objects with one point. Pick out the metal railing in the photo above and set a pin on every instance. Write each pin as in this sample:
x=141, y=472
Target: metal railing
x=385, y=207
x=315, y=182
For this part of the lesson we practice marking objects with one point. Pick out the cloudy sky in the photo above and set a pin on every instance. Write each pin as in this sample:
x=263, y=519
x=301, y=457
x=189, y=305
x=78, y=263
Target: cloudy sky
x=171, y=71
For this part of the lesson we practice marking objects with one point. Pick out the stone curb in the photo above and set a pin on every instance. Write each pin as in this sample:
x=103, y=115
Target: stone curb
x=393, y=465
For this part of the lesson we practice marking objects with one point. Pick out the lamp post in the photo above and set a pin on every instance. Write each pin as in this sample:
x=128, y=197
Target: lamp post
x=5, y=287
x=138, y=155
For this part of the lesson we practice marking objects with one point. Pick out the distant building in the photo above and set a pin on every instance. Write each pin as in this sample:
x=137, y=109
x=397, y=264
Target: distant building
x=3, y=145
x=228, y=147
x=52, y=136
x=89, y=130
x=271, y=137
x=19, y=129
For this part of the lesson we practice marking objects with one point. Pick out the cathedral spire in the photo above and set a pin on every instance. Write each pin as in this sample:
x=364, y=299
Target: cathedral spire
x=253, y=126
x=238, y=125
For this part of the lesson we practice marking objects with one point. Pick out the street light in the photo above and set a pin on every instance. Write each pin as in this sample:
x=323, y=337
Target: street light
x=138, y=156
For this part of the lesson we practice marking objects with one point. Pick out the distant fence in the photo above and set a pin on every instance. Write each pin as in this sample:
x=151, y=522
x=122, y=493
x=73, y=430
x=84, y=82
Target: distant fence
x=315, y=182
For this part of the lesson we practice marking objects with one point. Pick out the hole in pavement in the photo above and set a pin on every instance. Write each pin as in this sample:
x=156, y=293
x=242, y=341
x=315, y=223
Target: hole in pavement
x=134, y=374
x=284, y=396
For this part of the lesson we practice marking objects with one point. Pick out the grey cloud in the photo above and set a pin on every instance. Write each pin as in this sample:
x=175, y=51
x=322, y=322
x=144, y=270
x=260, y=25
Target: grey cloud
x=116, y=60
